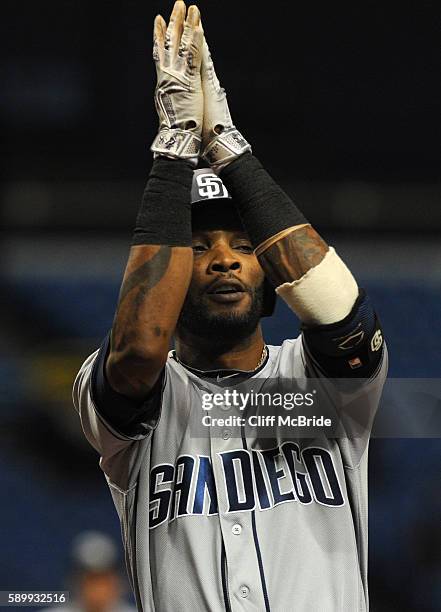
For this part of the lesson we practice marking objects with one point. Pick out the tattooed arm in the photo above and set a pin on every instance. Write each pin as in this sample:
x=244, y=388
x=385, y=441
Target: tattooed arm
x=151, y=297
x=307, y=273
x=292, y=255
x=157, y=276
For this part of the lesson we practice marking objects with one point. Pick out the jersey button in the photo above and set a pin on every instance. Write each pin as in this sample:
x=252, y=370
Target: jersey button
x=244, y=591
x=236, y=529
x=226, y=434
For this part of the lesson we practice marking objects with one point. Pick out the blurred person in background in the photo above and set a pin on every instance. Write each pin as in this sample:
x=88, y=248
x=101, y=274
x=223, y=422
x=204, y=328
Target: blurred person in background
x=95, y=580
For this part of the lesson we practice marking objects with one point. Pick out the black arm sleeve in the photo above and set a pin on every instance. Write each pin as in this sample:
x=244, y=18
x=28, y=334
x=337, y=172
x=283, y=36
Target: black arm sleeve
x=265, y=209
x=164, y=216
x=127, y=416
x=351, y=348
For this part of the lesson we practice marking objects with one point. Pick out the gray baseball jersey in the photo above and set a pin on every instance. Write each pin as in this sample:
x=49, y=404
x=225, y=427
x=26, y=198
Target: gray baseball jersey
x=237, y=521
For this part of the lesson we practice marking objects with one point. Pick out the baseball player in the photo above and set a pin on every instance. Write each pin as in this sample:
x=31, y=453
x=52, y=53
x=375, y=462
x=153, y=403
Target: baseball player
x=230, y=520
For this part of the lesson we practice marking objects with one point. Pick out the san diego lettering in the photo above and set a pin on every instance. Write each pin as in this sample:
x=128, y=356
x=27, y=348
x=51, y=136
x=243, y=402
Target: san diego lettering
x=257, y=479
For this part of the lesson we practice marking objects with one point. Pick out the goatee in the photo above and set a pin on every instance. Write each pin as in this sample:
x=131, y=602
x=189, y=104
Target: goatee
x=224, y=328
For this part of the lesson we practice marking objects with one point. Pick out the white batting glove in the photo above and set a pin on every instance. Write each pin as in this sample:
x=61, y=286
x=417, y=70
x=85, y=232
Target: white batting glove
x=177, y=51
x=221, y=141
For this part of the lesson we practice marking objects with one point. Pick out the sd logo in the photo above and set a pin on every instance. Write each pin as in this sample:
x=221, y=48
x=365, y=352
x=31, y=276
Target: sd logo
x=210, y=186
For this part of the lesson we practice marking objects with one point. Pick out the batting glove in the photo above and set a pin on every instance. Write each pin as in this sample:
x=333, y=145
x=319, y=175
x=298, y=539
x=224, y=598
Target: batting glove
x=177, y=51
x=222, y=142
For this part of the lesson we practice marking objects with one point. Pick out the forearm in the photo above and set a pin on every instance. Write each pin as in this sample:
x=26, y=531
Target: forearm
x=290, y=256
x=155, y=281
x=286, y=244
x=153, y=291
x=307, y=274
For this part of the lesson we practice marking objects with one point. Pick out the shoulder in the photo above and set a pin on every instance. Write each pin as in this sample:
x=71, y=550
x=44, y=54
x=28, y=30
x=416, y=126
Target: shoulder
x=286, y=360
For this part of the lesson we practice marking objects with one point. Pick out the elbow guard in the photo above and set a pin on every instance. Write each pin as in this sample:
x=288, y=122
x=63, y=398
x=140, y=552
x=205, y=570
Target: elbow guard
x=351, y=348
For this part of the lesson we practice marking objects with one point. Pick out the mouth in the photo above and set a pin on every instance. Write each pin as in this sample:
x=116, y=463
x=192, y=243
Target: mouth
x=227, y=291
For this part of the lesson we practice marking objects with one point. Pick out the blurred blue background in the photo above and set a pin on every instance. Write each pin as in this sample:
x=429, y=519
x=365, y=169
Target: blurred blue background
x=342, y=108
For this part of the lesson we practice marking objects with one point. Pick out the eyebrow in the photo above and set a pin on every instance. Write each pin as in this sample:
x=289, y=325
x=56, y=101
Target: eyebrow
x=206, y=233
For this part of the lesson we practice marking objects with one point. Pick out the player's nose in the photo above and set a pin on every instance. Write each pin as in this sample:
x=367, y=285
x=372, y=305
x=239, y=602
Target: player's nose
x=224, y=260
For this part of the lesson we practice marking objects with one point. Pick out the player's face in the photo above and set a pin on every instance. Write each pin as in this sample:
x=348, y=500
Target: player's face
x=226, y=290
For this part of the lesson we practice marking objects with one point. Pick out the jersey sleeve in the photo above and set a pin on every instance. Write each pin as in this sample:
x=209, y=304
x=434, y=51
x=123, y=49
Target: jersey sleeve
x=349, y=361
x=131, y=418
x=112, y=423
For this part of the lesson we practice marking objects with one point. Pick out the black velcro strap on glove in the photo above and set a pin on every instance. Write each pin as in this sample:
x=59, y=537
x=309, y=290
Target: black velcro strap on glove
x=264, y=207
x=165, y=213
x=351, y=348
